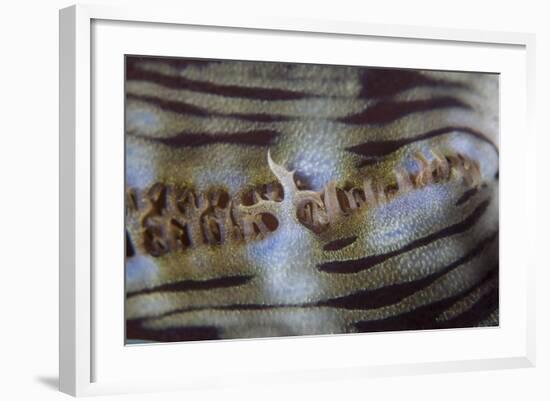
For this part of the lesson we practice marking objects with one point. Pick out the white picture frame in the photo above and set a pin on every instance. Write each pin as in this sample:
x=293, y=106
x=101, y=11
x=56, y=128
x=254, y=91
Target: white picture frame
x=84, y=355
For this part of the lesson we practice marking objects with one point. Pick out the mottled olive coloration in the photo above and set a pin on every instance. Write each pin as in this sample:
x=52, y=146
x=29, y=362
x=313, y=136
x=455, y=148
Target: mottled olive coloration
x=273, y=199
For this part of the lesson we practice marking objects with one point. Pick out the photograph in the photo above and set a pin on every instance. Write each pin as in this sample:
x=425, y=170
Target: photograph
x=274, y=199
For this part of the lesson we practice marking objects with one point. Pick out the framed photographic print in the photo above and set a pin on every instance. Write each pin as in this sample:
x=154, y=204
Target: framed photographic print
x=241, y=190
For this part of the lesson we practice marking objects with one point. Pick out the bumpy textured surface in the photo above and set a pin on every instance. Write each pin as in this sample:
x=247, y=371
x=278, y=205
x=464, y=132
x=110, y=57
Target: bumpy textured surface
x=271, y=199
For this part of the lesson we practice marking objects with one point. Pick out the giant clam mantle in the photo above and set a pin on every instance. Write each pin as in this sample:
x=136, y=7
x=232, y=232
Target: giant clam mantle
x=268, y=199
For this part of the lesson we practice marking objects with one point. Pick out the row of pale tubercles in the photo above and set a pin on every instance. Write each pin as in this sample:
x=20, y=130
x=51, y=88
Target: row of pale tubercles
x=171, y=219
x=336, y=202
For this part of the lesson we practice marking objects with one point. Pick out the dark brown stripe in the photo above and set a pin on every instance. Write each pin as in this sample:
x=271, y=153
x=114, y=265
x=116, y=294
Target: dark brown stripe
x=192, y=139
x=357, y=265
x=339, y=244
x=466, y=195
x=381, y=82
x=370, y=299
x=376, y=149
x=170, y=105
x=191, y=285
x=134, y=73
x=424, y=317
x=136, y=331
x=181, y=107
x=385, y=112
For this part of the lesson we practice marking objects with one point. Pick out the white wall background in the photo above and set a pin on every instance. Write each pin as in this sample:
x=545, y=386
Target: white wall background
x=29, y=198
